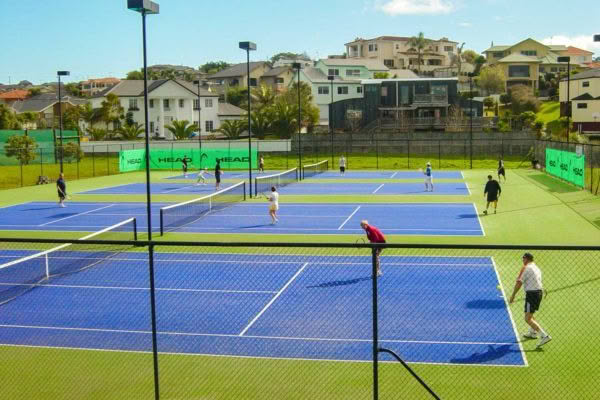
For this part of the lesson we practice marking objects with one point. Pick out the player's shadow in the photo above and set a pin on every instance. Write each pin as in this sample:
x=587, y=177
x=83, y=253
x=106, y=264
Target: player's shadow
x=39, y=208
x=466, y=216
x=341, y=282
x=486, y=304
x=492, y=353
x=63, y=215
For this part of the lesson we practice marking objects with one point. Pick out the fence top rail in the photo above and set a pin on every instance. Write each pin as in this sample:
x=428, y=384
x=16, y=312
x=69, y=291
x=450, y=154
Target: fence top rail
x=145, y=243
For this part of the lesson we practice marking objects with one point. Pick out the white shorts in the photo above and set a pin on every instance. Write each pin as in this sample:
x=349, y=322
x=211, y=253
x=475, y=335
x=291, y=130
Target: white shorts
x=273, y=207
x=429, y=180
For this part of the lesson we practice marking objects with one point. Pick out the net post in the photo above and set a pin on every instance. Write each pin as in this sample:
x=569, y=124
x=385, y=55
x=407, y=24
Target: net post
x=244, y=186
x=255, y=186
x=47, y=266
x=162, y=224
x=135, y=235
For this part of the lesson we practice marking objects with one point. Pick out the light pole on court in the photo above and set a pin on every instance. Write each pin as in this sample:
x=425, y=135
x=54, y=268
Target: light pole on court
x=249, y=46
x=60, y=73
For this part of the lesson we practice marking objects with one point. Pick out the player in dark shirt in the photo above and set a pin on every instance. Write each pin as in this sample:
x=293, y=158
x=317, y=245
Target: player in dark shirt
x=492, y=191
x=61, y=187
x=184, y=165
x=218, y=174
x=501, y=171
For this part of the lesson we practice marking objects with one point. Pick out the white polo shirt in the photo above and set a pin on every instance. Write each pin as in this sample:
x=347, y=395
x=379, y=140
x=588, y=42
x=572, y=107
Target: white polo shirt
x=274, y=199
x=531, y=277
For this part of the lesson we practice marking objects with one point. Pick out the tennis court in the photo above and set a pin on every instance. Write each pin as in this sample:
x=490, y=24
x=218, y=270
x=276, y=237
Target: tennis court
x=267, y=306
x=456, y=219
x=408, y=188
x=445, y=174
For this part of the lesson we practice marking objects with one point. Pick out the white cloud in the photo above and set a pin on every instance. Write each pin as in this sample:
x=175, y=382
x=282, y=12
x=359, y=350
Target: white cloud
x=585, y=42
x=465, y=24
x=399, y=7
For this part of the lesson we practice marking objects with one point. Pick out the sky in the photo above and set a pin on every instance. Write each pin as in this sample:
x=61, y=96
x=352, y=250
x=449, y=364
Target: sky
x=100, y=38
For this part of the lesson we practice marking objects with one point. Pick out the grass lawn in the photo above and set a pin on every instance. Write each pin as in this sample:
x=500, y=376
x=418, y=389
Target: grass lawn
x=534, y=209
x=549, y=111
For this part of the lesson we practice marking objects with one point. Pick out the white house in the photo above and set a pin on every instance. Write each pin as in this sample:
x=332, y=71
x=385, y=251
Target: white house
x=168, y=100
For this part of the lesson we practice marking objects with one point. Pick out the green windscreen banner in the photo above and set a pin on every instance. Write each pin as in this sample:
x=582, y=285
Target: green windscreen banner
x=566, y=165
x=133, y=160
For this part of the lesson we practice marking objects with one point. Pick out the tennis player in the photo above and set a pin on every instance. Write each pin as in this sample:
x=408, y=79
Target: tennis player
x=492, y=191
x=530, y=278
x=261, y=165
x=342, y=165
x=201, y=176
x=184, y=165
x=218, y=173
x=428, y=178
x=375, y=236
x=273, y=205
x=61, y=187
x=501, y=171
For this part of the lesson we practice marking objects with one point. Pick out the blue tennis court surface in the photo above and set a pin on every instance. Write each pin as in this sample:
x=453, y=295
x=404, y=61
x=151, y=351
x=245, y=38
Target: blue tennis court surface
x=295, y=218
x=443, y=310
x=336, y=175
x=408, y=188
x=226, y=175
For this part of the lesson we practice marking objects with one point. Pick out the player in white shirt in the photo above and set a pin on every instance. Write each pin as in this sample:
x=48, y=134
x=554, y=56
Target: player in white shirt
x=342, y=165
x=530, y=278
x=428, y=178
x=201, y=176
x=273, y=205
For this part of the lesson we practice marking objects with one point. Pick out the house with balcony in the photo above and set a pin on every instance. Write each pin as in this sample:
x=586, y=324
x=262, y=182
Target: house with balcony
x=396, y=53
x=93, y=86
x=278, y=78
x=237, y=75
x=584, y=97
x=168, y=100
x=47, y=107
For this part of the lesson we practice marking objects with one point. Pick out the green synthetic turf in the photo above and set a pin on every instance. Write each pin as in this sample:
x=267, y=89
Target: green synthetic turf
x=533, y=209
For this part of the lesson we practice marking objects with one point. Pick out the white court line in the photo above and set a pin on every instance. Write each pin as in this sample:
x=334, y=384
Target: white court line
x=512, y=321
x=348, y=219
x=76, y=215
x=379, y=187
x=273, y=300
x=479, y=219
x=468, y=189
x=393, y=175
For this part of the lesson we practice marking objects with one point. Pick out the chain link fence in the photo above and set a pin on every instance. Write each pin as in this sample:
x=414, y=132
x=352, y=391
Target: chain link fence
x=269, y=320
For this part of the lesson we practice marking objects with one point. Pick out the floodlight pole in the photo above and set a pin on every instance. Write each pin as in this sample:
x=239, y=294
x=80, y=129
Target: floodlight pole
x=249, y=46
x=471, y=123
x=60, y=73
x=567, y=59
x=331, y=78
x=297, y=66
x=199, y=124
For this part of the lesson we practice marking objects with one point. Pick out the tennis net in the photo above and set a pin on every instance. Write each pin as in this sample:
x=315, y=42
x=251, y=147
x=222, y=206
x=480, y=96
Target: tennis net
x=263, y=184
x=314, y=169
x=25, y=273
x=179, y=215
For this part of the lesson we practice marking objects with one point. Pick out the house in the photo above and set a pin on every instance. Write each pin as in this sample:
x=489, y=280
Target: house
x=396, y=53
x=93, y=86
x=584, y=93
x=305, y=61
x=10, y=97
x=346, y=68
x=524, y=62
x=46, y=105
x=278, y=78
x=237, y=75
x=168, y=100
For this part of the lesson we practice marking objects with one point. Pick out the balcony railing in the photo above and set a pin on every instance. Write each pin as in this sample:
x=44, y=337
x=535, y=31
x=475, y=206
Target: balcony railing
x=431, y=98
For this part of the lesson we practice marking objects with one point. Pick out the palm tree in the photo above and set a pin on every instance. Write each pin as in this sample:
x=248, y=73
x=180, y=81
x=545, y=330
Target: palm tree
x=419, y=43
x=112, y=110
x=233, y=128
x=285, y=118
x=181, y=129
x=458, y=58
x=97, y=133
x=262, y=120
x=131, y=131
x=262, y=96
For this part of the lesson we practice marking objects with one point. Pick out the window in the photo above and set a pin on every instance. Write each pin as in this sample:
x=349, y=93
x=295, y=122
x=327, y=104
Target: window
x=542, y=69
x=581, y=105
x=353, y=72
x=554, y=69
x=529, y=53
x=208, y=103
x=448, y=48
x=373, y=47
x=235, y=82
x=279, y=80
x=196, y=104
x=133, y=104
x=151, y=103
x=359, y=89
x=586, y=84
x=434, y=62
x=197, y=124
x=323, y=89
x=563, y=69
x=333, y=72
x=397, y=46
x=151, y=127
x=388, y=63
x=518, y=71
x=208, y=125
x=384, y=91
x=166, y=104
x=498, y=54
x=181, y=103
x=343, y=90
x=252, y=81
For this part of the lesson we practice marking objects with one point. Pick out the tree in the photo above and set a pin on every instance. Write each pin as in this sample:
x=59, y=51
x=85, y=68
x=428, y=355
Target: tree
x=381, y=75
x=522, y=99
x=527, y=119
x=97, y=133
x=181, y=129
x=419, y=43
x=34, y=91
x=479, y=62
x=309, y=112
x=489, y=102
x=71, y=118
x=469, y=56
x=505, y=98
x=457, y=60
x=261, y=122
x=288, y=55
x=131, y=131
x=233, y=128
x=491, y=79
x=72, y=151
x=135, y=75
x=73, y=89
x=212, y=67
x=262, y=96
x=111, y=109
x=284, y=118
x=28, y=118
x=22, y=147
x=8, y=118
x=237, y=96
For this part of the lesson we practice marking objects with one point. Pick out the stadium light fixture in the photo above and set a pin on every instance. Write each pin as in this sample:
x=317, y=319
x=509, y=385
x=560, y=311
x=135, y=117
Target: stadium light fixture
x=61, y=73
x=249, y=46
x=596, y=38
x=567, y=59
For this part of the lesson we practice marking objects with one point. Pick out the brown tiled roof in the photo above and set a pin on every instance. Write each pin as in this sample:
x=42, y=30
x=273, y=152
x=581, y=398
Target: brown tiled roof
x=577, y=51
x=15, y=95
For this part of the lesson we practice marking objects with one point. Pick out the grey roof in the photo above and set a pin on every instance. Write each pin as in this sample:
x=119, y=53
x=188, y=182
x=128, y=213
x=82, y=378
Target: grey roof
x=586, y=96
x=497, y=48
x=42, y=101
x=135, y=88
x=315, y=75
x=519, y=58
x=226, y=109
x=403, y=73
x=592, y=73
x=370, y=64
x=236, y=70
x=276, y=71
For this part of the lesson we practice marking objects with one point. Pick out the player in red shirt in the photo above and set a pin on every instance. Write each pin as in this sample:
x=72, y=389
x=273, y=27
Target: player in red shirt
x=375, y=236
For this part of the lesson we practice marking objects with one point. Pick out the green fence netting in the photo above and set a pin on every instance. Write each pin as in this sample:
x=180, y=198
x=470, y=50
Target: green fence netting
x=566, y=165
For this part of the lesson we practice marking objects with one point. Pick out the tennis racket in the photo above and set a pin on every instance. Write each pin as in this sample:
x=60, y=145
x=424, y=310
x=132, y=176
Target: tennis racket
x=68, y=197
x=360, y=241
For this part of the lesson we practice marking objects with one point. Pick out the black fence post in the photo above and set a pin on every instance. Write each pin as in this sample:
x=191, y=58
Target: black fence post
x=408, y=150
x=439, y=154
x=93, y=160
x=107, y=161
x=377, y=153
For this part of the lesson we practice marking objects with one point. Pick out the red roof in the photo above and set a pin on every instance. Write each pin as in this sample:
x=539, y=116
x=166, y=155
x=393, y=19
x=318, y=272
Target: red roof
x=15, y=95
x=577, y=51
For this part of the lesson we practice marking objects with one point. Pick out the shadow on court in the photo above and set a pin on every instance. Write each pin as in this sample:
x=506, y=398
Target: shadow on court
x=485, y=304
x=340, y=283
